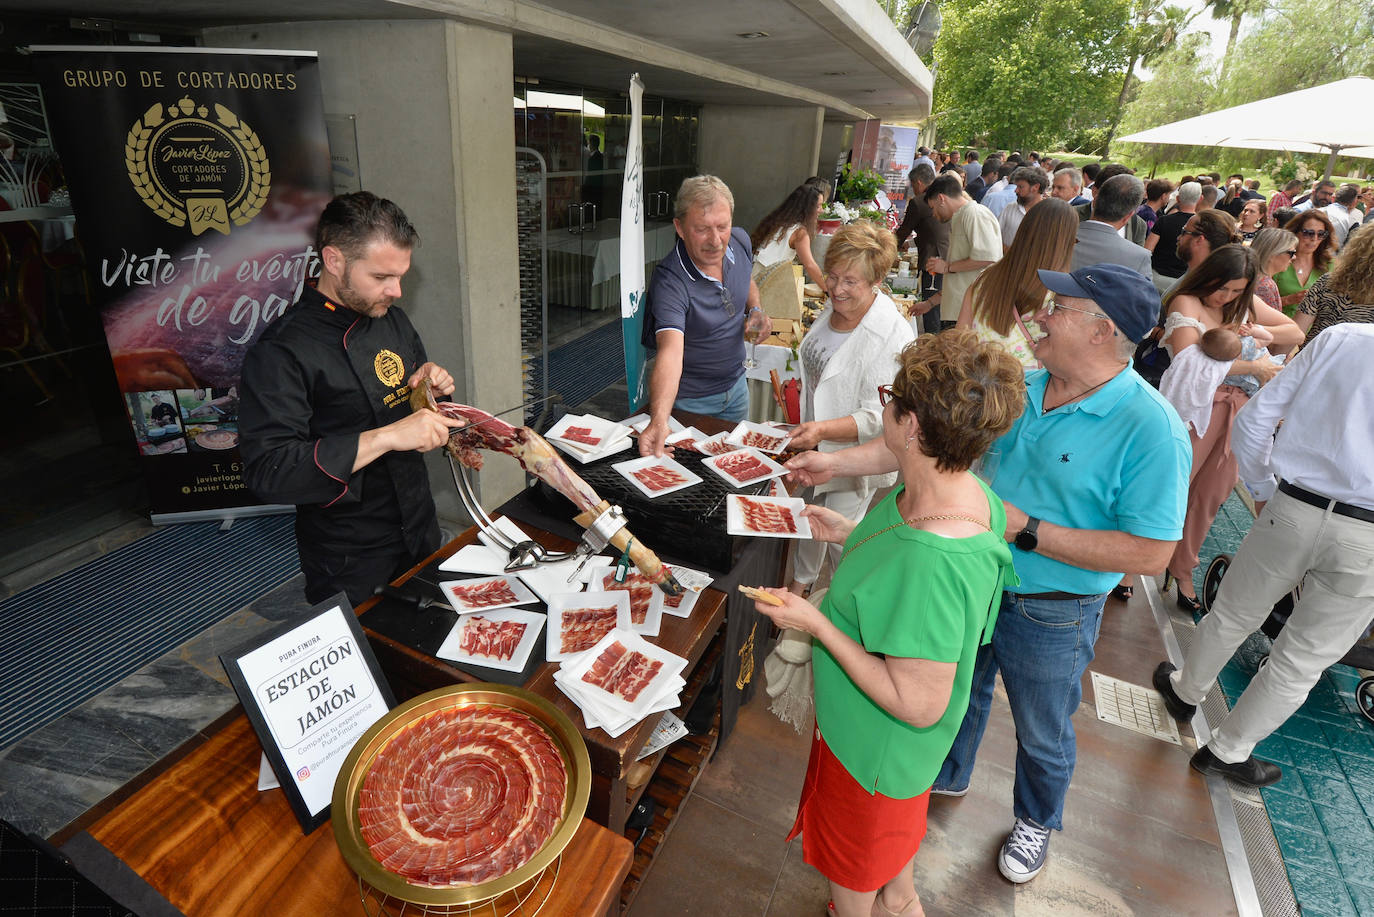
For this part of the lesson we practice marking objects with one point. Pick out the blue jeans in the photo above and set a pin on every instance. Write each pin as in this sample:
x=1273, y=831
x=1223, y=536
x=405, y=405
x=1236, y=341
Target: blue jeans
x=731, y=404
x=1042, y=647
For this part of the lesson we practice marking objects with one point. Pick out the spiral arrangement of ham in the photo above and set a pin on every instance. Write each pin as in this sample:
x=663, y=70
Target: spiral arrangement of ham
x=535, y=455
x=463, y=796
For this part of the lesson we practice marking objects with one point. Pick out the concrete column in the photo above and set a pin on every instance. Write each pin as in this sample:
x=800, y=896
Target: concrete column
x=432, y=100
x=762, y=152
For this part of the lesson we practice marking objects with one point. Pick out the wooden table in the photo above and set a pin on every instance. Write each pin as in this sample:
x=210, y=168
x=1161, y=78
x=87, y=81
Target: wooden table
x=203, y=836
x=412, y=672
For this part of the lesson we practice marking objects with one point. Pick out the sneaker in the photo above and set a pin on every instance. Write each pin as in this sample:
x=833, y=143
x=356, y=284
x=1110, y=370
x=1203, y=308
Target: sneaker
x=1177, y=707
x=946, y=791
x=1024, y=852
x=1251, y=772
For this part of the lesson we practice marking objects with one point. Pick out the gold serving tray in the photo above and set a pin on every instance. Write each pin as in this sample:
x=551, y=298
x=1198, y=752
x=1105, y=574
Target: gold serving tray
x=348, y=786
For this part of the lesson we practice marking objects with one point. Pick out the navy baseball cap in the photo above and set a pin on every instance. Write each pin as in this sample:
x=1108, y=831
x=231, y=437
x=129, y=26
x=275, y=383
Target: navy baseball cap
x=1129, y=298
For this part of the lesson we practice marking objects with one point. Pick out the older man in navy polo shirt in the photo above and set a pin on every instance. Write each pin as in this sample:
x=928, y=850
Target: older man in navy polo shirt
x=703, y=303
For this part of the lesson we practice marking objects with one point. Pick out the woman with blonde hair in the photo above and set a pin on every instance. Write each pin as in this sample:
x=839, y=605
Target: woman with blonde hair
x=1274, y=250
x=915, y=595
x=851, y=349
x=1000, y=305
x=1346, y=294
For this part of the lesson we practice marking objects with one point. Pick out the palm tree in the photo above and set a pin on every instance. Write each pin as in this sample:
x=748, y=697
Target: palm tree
x=1232, y=10
x=1153, y=30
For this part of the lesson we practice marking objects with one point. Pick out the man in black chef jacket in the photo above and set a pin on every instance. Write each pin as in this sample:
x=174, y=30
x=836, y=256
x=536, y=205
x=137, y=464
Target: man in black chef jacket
x=325, y=419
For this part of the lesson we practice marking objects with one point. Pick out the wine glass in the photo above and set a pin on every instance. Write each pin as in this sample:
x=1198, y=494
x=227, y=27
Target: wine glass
x=749, y=335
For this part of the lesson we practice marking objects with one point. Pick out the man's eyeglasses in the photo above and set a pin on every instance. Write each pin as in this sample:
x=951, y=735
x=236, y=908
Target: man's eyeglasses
x=1055, y=305
x=885, y=394
x=727, y=300
x=1314, y=233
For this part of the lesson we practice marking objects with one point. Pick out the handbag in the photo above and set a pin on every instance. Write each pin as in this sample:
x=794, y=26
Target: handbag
x=1151, y=359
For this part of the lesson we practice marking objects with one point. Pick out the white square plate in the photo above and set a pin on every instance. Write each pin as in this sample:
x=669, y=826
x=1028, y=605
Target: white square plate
x=617, y=603
x=533, y=621
x=744, y=460
x=716, y=445
x=670, y=666
x=640, y=421
x=465, y=594
x=597, y=715
x=666, y=469
x=686, y=438
x=583, y=456
x=736, y=516
x=761, y=436
x=693, y=581
x=603, y=580
x=587, y=432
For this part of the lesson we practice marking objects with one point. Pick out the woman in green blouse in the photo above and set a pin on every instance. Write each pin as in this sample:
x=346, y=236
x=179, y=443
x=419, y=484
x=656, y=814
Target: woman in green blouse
x=1316, y=239
x=913, y=597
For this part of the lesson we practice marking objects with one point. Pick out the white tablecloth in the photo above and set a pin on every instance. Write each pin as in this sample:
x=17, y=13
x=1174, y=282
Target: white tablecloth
x=602, y=245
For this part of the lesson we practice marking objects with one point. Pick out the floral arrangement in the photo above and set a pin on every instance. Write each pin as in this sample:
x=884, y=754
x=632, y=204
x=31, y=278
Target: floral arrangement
x=1283, y=169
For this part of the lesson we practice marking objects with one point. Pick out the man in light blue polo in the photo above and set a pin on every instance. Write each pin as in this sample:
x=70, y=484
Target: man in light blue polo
x=1094, y=476
x=702, y=304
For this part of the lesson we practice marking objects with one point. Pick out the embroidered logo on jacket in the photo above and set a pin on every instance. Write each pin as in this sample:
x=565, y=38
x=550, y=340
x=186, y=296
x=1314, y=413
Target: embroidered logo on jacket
x=389, y=368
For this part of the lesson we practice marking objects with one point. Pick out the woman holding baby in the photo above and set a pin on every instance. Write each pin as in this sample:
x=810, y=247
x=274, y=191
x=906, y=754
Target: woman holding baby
x=1216, y=330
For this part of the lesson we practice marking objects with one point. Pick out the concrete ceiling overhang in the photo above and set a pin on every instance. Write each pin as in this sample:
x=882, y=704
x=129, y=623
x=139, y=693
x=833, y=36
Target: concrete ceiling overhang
x=842, y=55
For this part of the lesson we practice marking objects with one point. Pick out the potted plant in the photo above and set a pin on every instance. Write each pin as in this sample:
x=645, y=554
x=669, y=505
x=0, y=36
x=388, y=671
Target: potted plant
x=832, y=218
x=858, y=186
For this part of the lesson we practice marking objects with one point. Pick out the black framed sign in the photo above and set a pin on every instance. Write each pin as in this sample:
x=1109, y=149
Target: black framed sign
x=310, y=688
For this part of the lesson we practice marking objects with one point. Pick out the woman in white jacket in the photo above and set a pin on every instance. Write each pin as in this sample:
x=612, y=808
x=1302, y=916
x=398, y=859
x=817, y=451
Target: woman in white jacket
x=851, y=349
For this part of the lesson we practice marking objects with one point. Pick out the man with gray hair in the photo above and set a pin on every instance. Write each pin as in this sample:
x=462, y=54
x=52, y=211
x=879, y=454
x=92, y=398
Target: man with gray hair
x=703, y=303
x=1101, y=239
x=1162, y=242
x=1068, y=186
x=1094, y=477
x=1343, y=212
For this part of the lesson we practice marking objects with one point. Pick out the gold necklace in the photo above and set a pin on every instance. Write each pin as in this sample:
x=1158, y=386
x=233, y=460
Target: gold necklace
x=915, y=519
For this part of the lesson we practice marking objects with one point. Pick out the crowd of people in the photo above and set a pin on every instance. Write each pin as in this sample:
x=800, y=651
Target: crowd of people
x=1033, y=472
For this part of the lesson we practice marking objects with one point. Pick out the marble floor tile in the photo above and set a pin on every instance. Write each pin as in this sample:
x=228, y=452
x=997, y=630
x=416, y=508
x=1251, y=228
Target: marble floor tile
x=40, y=800
x=227, y=636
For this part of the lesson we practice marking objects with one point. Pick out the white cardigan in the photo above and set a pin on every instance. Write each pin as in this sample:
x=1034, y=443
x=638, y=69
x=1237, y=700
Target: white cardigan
x=849, y=384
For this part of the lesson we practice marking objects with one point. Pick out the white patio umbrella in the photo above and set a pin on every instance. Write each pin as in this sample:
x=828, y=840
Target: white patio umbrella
x=1333, y=119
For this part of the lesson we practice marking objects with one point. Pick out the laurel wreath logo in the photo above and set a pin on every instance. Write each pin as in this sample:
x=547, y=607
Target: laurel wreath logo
x=136, y=154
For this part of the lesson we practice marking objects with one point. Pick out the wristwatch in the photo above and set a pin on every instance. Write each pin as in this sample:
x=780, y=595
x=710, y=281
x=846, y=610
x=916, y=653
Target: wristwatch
x=1026, y=539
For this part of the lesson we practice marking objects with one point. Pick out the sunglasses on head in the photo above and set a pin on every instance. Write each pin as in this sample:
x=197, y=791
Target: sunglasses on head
x=1314, y=233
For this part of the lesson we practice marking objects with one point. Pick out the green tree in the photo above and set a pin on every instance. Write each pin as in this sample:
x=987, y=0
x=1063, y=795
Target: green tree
x=1018, y=75
x=1153, y=31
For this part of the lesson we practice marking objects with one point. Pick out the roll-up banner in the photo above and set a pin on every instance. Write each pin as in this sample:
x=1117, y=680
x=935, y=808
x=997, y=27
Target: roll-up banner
x=197, y=176
x=632, y=291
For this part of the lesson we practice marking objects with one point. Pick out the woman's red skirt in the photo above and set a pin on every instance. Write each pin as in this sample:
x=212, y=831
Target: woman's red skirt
x=856, y=839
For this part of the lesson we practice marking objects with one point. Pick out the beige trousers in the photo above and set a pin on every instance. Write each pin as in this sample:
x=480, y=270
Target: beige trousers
x=1291, y=542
